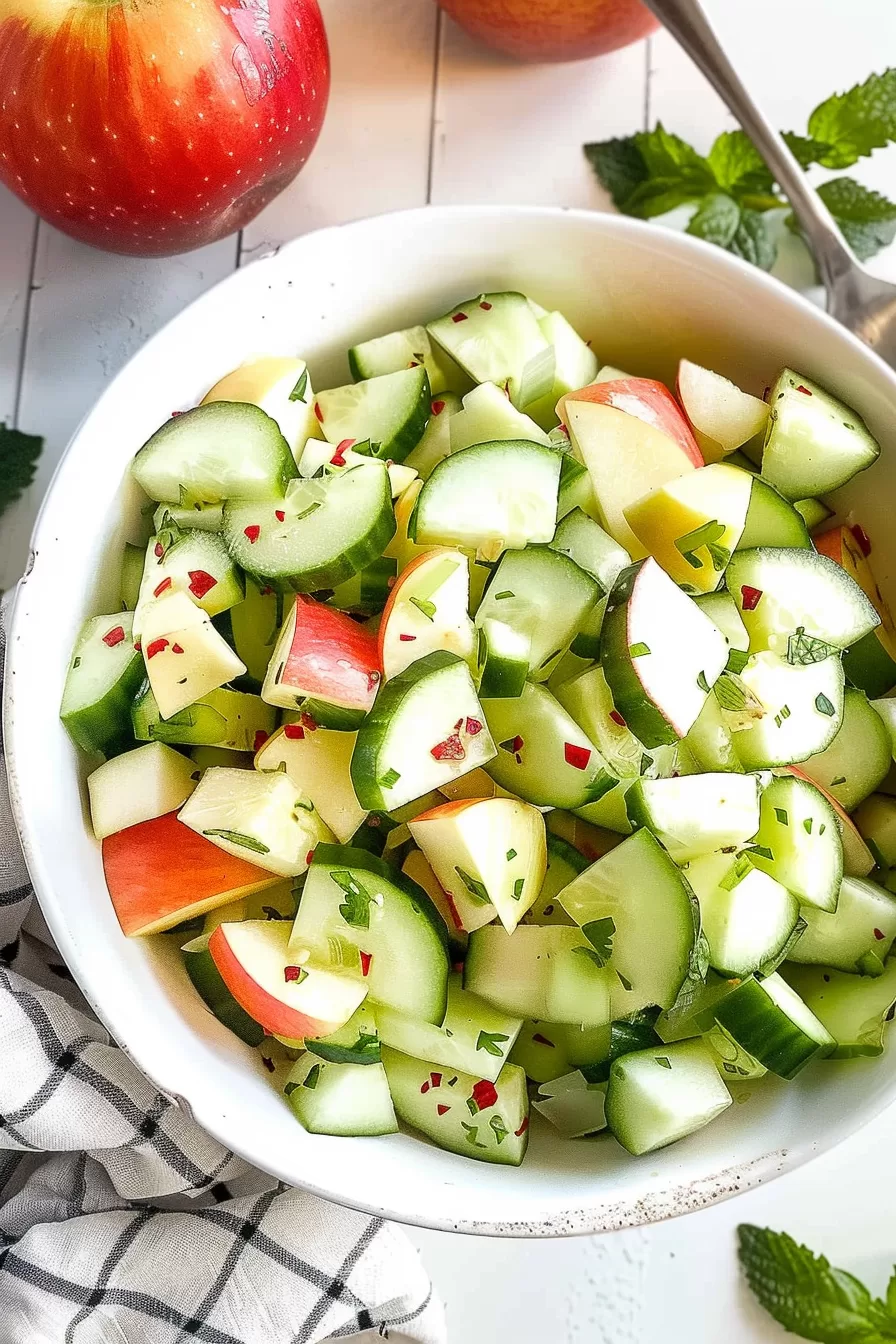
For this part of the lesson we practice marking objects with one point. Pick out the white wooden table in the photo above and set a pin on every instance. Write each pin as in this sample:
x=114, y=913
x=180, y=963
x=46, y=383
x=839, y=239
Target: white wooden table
x=418, y=113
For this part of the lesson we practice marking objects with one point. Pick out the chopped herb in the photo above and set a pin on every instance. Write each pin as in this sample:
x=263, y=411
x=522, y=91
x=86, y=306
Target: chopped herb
x=474, y=886
x=807, y=825
x=646, y=763
x=425, y=606
x=781, y=815
x=313, y=1077
x=782, y=714
x=355, y=909
x=737, y=661
x=841, y=779
x=730, y=693
x=762, y=852
x=624, y=982
x=638, y=650
x=736, y=873
x=663, y=1062
x=471, y=1131
x=298, y=392
x=702, y=683
x=511, y=854
x=600, y=934
x=489, y=1042
x=245, y=841
x=290, y=1088
x=513, y=745
x=498, y=1128
x=499, y=597
x=76, y=664
x=803, y=649
x=706, y=535
x=821, y=829
x=390, y=778
x=518, y=886
x=312, y=508
x=824, y=706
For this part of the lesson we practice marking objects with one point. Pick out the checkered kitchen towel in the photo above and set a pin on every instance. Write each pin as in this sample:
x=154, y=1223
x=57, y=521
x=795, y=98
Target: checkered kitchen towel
x=121, y=1222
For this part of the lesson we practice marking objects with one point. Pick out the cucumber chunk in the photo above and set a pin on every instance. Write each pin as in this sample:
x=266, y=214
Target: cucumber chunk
x=539, y=1051
x=191, y=562
x=318, y=762
x=854, y=1008
x=325, y=532
x=798, y=710
x=194, y=516
x=493, y=495
x=357, y=1042
x=543, y=595
x=655, y=919
x=426, y=727
x=696, y=814
x=487, y=417
x=857, y=936
x=229, y=720
x=103, y=677
x=587, y=699
x=772, y=520
x=436, y=441
x=218, y=451
x=389, y=411
x=251, y=628
x=813, y=512
x=593, y=1049
x=680, y=1023
x=461, y=1112
x=505, y=656
x=658, y=1096
x=341, y=1099
x=496, y=338
x=402, y=350
x=790, y=600
x=575, y=365
x=876, y=820
x=748, y=919
x=660, y=653
x=367, y=592
x=137, y=786
x=798, y=842
x=576, y=488
x=474, y=1036
x=358, y=912
x=710, y=742
x=731, y=1060
x=552, y=974
x=131, y=575
x=206, y=980
x=858, y=759
x=769, y=1020
x=572, y=1105
x=592, y=549
x=814, y=443
x=563, y=864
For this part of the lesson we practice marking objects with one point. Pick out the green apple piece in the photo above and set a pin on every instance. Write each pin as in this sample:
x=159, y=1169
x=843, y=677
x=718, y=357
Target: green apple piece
x=721, y=415
x=698, y=813
x=318, y=762
x=138, y=786
x=550, y=973
x=428, y=610
x=185, y=655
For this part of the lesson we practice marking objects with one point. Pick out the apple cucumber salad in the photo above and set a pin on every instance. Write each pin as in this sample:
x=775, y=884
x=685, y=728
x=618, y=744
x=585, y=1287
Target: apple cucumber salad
x=502, y=730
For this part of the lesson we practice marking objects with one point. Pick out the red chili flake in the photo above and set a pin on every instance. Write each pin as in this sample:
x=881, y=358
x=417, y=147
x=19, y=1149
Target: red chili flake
x=474, y=727
x=138, y=646
x=413, y=364
x=309, y=856
x=406, y=639
x=265, y=592
x=458, y=725
x=158, y=550
x=543, y=1040
x=260, y=738
x=518, y=1133
x=366, y=959
x=457, y=967
x=485, y=1094
x=158, y=591
x=617, y=717
x=425, y=1087
x=513, y=744
x=338, y=458
x=156, y=647
x=750, y=597
x=201, y=582
x=485, y=305
x=114, y=636
x=294, y=731
x=438, y=407
x=308, y=721
x=563, y=430
x=253, y=532
x=878, y=935
x=268, y=1063
x=435, y=1079
x=373, y=680
x=459, y=317
x=452, y=749
x=291, y=973
x=442, y=1109
x=176, y=648
x=804, y=390
x=577, y=757
x=280, y=515
x=318, y=412
x=862, y=538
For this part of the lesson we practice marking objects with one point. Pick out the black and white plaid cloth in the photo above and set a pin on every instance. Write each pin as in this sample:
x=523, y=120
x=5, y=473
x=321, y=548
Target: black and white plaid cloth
x=121, y=1222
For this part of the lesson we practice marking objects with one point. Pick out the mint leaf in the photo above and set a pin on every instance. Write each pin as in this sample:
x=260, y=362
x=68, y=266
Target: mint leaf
x=805, y=1295
x=667, y=155
x=716, y=220
x=854, y=123
x=618, y=166
x=753, y=242
x=355, y=909
x=891, y=1293
x=737, y=164
x=18, y=462
x=867, y=219
x=805, y=149
x=651, y=172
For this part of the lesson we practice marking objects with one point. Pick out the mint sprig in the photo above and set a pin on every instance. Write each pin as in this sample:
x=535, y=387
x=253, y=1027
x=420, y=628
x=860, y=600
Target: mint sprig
x=806, y=1295
x=19, y=454
x=653, y=172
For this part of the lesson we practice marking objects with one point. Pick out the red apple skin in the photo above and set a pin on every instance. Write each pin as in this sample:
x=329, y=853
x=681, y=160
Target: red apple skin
x=647, y=400
x=160, y=873
x=271, y=1013
x=553, y=30
x=156, y=126
x=332, y=657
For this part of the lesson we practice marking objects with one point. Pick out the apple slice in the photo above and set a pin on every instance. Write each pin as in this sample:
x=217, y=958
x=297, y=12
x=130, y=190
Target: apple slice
x=492, y=850
x=137, y=786
x=185, y=656
x=285, y=995
x=870, y=663
x=645, y=399
x=317, y=761
x=720, y=414
x=322, y=655
x=427, y=610
x=626, y=459
x=281, y=387
x=159, y=873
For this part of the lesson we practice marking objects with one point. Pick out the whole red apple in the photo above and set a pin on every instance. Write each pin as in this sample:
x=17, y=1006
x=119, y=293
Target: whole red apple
x=156, y=126
x=553, y=30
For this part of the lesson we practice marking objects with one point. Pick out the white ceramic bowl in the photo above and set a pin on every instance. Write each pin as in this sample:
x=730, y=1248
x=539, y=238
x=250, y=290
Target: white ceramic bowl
x=645, y=297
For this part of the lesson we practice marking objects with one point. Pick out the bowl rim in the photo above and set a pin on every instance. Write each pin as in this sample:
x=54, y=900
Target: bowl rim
x=668, y=1201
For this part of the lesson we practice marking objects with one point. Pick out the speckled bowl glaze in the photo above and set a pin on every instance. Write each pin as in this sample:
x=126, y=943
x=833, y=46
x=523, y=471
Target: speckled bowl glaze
x=645, y=297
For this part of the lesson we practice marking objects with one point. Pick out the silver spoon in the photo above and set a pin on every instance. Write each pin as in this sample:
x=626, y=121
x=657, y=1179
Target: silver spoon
x=855, y=297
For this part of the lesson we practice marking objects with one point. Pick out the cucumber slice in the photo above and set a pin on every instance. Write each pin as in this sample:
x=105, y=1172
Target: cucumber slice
x=103, y=677
x=280, y=386
x=722, y=610
x=496, y=494
x=357, y=1042
x=813, y=512
x=426, y=727
x=462, y=1112
x=367, y=592
x=709, y=740
x=814, y=443
x=541, y=594
x=802, y=708
x=341, y=1099
x=575, y=365
x=731, y=1060
x=359, y=912
x=660, y=653
x=576, y=488
x=390, y=411
x=323, y=534
x=655, y=919
x=572, y=1105
x=506, y=654
x=403, y=350
x=680, y=1022
x=748, y=919
x=474, y=1036
x=858, y=759
x=552, y=974
x=251, y=629
x=790, y=600
x=185, y=655
x=543, y=756
x=263, y=816
x=772, y=520
x=592, y=549
x=196, y=516
x=770, y=1021
x=692, y=524
x=318, y=459
x=593, y=1049
x=587, y=699
x=227, y=719
x=427, y=611
x=131, y=576
x=318, y=763
x=863, y=923
x=798, y=841
x=563, y=864
x=870, y=665
x=854, y=1008
x=697, y=814
x=876, y=820
x=495, y=338
x=206, y=980
x=220, y=451
x=539, y=1052
x=323, y=656
x=192, y=562
x=436, y=441
x=662, y=763
x=487, y=417
x=586, y=643
x=137, y=786
x=656, y=1097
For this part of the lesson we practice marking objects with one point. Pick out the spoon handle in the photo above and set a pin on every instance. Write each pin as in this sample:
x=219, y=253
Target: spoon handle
x=689, y=25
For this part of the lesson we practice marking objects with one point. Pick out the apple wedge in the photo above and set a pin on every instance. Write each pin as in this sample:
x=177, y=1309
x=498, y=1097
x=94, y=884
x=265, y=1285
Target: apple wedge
x=285, y=996
x=871, y=662
x=644, y=399
x=324, y=656
x=160, y=873
x=721, y=416
x=427, y=610
x=138, y=786
x=281, y=387
x=491, y=851
x=317, y=762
